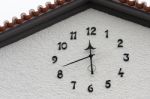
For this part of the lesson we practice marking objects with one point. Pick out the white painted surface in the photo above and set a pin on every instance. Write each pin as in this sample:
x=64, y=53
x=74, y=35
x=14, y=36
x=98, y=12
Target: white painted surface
x=26, y=70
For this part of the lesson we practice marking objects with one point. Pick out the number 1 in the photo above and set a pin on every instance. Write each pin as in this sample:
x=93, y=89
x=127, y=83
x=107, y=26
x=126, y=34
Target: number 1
x=107, y=33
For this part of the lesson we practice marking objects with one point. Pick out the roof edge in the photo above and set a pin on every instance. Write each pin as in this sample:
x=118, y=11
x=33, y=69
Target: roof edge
x=38, y=23
x=122, y=11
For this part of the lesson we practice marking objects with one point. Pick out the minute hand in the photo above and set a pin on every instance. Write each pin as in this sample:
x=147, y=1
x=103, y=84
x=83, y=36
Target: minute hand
x=79, y=60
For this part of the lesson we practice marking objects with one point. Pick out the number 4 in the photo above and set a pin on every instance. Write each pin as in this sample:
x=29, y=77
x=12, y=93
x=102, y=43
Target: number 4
x=121, y=73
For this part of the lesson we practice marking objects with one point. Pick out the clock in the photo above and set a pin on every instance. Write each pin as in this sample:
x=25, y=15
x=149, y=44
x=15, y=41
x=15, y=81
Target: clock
x=101, y=52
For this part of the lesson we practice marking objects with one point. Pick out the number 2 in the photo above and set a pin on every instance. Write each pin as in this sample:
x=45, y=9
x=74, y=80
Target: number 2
x=120, y=43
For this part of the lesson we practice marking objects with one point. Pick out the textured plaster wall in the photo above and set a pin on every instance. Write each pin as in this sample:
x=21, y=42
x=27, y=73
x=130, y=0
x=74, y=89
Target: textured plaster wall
x=27, y=72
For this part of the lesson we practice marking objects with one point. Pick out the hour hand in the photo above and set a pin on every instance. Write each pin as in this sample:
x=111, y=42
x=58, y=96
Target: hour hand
x=79, y=60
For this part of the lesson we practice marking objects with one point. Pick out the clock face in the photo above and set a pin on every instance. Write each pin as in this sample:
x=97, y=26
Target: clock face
x=90, y=55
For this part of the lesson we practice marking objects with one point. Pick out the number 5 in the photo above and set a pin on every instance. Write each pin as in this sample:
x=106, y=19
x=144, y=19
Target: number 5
x=108, y=84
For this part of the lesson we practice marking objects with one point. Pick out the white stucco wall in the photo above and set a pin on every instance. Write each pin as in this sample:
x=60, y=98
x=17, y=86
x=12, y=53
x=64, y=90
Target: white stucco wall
x=27, y=72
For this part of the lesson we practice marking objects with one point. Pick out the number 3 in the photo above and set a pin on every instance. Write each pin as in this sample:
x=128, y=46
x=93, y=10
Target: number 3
x=126, y=57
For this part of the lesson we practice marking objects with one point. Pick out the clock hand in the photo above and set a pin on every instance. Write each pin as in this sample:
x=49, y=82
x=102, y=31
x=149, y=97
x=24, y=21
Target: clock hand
x=90, y=47
x=91, y=61
x=79, y=60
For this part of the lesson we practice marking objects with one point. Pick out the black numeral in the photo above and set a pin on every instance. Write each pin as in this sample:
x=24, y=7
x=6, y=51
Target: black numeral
x=74, y=84
x=60, y=74
x=108, y=84
x=73, y=35
x=107, y=33
x=126, y=57
x=121, y=73
x=91, y=31
x=90, y=88
x=54, y=59
x=62, y=46
x=120, y=43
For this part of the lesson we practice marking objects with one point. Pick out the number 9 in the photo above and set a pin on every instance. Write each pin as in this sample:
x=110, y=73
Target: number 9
x=54, y=59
